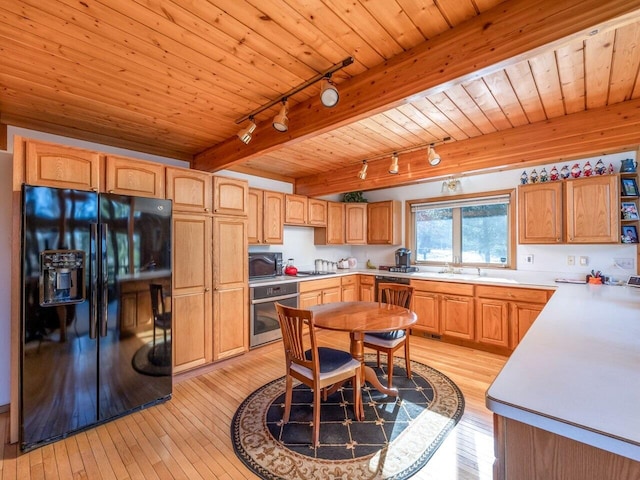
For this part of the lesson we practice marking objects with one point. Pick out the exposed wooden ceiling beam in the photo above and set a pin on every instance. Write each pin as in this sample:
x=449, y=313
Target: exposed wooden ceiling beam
x=3, y=136
x=495, y=39
x=592, y=132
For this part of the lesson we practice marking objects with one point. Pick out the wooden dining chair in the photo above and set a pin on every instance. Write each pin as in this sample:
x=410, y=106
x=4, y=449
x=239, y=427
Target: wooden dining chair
x=317, y=367
x=389, y=342
x=161, y=320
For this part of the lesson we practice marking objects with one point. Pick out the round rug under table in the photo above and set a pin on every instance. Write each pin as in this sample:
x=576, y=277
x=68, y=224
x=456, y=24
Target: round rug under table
x=396, y=438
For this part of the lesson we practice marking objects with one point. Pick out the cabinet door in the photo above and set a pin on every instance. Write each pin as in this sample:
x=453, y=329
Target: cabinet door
x=126, y=176
x=523, y=315
x=425, y=304
x=334, y=233
x=190, y=190
x=230, y=196
x=350, y=293
x=592, y=210
x=230, y=322
x=457, y=317
x=191, y=291
x=273, y=218
x=295, y=209
x=255, y=216
x=309, y=299
x=492, y=322
x=51, y=165
x=230, y=262
x=355, y=223
x=366, y=288
x=540, y=213
x=317, y=212
x=330, y=295
x=384, y=222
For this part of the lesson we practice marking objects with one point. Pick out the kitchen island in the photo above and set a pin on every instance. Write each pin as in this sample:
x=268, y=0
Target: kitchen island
x=567, y=401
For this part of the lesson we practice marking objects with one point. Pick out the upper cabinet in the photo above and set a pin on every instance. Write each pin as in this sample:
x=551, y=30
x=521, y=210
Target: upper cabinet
x=384, y=222
x=355, y=223
x=190, y=190
x=58, y=166
x=592, y=210
x=295, y=210
x=333, y=234
x=230, y=196
x=138, y=178
x=317, y=212
x=266, y=216
x=540, y=213
x=589, y=207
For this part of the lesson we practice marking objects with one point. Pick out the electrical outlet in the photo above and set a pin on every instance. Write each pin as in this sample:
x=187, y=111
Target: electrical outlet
x=571, y=260
x=529, y=258
x=584, y=261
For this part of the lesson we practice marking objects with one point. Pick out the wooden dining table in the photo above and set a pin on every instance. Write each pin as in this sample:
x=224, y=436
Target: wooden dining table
x=357, y=318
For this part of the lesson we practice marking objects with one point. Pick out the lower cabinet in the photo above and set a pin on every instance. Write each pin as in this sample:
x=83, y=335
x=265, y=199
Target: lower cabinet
x=425, y=304
x=492, y=322
x=367, y=287
x=191, y=336
x=230, y=322
x=456, y=316
x=349, y=288
x=319, y=292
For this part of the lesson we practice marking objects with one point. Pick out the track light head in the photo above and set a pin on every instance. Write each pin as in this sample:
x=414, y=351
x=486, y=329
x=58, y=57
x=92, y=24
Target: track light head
x=363, y=171
x=245, y=134
x=393, y=168
x=433, y=157
x=281, y=121
x=329, y=95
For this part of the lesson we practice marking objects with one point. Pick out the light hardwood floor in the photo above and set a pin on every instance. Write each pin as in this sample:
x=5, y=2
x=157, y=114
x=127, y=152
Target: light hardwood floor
x=188, y=437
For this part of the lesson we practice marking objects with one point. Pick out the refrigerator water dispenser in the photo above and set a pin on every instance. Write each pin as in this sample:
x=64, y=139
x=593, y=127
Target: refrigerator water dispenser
x=61, y=277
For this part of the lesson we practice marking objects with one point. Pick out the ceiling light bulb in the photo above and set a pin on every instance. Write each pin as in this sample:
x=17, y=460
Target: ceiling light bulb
x=433, y=157
x=363, y=171
x=245, y=134
x=281, y=121
x=329, y=95
x=393, y=168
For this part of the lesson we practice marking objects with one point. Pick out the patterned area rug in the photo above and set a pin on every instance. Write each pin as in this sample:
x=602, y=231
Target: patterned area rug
x=396, y=438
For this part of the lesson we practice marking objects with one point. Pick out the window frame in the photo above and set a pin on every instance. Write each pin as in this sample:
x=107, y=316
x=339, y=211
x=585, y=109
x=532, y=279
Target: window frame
x=511, y=225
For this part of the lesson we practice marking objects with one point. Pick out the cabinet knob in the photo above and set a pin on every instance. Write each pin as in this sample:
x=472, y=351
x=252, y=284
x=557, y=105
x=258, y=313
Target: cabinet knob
x=94, y=189
x=207, y=289
x=110, y=191
x=206, y=209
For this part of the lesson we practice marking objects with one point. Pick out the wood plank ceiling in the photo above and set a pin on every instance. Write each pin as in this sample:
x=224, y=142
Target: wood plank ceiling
x=172, y=77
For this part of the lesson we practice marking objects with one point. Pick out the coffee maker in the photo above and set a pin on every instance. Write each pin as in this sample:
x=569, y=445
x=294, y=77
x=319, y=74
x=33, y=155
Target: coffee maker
x=403, y=261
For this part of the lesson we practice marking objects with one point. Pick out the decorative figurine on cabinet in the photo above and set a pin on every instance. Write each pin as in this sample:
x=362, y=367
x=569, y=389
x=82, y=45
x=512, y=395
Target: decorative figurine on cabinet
x=575, y=170
x=544, y=176
x=611, y=170
x=600, y=169
x=564, y=172
x=587, y=170
x=533, y=178
x=554, y=175
x=524, y=178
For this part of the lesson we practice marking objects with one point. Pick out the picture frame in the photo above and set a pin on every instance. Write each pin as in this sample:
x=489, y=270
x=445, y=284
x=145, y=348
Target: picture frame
x=629, y=211
x=629, y=187
x=629, y=234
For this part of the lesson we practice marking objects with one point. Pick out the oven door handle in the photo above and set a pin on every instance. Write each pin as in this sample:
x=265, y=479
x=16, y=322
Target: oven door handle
x=274, y=299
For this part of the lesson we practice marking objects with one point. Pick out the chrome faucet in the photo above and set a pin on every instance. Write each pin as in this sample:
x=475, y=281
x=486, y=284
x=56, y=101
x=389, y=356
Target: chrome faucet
x=479, y=271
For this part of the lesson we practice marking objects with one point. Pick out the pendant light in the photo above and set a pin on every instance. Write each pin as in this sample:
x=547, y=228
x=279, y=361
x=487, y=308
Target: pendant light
x=281, y=121
x=433, y=157
x=393, y=168
x=363, y=171
x=245, y=134
x=329, y=95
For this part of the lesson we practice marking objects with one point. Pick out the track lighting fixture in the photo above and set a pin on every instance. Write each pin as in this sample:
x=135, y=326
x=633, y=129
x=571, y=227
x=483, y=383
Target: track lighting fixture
x=433, y=157
x=281, y=121
x=363, y=171
x=245, y=134
x=329, y=95
x=393, y=168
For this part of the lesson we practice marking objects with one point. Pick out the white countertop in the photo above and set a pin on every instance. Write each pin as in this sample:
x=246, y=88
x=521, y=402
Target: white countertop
x=577, y=371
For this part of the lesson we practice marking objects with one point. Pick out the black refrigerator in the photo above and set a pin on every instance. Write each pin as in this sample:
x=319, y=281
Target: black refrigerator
x=96, y=309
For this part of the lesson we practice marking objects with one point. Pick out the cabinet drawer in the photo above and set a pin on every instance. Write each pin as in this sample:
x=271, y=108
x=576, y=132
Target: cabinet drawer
x=531, y=295
x=312, y=285
x=367, y=280
x=349, y=280
x=448, y=288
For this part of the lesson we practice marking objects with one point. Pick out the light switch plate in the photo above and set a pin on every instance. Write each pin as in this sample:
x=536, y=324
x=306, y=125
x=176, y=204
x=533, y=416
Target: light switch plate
x=634, y=281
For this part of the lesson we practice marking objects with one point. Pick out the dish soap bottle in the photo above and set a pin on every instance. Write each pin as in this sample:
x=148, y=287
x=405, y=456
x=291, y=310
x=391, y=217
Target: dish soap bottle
x=290, y=269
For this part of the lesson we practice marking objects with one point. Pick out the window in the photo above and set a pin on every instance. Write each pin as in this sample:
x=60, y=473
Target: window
x=474, y=231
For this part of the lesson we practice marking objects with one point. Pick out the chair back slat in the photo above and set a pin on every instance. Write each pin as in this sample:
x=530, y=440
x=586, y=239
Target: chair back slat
x=296, y=326
x=395, y=294
x=157, y=301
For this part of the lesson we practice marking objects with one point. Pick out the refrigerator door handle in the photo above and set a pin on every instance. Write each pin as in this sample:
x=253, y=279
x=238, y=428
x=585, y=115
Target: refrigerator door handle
x=93, y=282
x=104, y=280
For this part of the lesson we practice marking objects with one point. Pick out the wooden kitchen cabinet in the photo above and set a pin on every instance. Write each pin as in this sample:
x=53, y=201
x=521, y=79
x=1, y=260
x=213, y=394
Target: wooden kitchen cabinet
x=384, y=221
x=295, y=209
x=355, y=221
x=456, y=317
x=126, y=176
x=230, y=196
x=52, y=165
x=367, y=288
x=266, y=217
x=592, y=210
x=255, y=216
x=333, y=234
x=230, y=284
x=425, y=304
x=191, y=291
x=190, y=190
x=522, y=317
x=444, y=308
x=540, y=213
x=492, y=322
x=349, y=288
x=317, y=214
x=319, y=292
